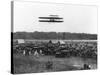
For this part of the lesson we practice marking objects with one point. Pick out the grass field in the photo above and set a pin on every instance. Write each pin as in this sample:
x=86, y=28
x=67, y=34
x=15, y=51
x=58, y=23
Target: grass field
x=32, y=64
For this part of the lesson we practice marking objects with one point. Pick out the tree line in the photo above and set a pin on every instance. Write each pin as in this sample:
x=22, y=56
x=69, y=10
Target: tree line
x=53, y=35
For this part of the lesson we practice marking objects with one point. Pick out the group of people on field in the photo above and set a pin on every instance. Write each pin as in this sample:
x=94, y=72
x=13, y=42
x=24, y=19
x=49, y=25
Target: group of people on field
x=82, y=49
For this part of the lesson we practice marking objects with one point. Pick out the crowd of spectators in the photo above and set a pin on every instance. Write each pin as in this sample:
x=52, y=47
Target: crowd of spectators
x=80, y=49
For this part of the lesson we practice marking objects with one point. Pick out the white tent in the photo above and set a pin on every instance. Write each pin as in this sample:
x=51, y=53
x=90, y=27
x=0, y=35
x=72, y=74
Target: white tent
x=21, y=41
x=62, y=41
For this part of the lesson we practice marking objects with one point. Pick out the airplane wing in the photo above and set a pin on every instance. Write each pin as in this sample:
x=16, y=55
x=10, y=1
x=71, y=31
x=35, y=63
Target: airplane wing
x=50, y=18
x=49, y=21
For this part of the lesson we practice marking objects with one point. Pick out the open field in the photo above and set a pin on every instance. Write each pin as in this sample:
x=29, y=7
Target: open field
x=32, y=64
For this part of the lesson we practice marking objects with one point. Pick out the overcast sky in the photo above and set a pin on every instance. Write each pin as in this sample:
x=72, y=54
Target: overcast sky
x=78, y=19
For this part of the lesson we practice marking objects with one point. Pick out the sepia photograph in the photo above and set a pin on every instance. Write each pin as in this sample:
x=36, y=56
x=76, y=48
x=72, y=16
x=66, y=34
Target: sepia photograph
x=53, y=37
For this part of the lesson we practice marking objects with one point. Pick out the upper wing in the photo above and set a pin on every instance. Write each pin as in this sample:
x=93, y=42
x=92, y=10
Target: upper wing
x=50, y=18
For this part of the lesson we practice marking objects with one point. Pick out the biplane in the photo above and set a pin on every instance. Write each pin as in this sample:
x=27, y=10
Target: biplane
x=51, y=18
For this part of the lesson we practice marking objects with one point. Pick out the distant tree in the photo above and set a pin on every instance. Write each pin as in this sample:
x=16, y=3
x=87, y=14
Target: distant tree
x=54, y=35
